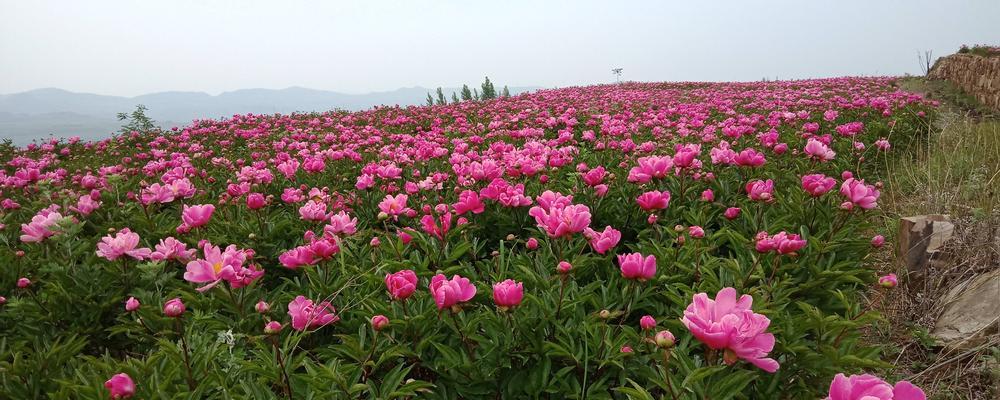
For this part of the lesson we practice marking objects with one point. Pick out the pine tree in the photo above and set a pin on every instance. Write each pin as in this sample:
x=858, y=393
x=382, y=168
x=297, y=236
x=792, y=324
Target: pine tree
x=488, y=91
x=441, y=100
x=505, y=93
x=430, y=100
x=475, y=94
x=466, y=93
x=454, y=97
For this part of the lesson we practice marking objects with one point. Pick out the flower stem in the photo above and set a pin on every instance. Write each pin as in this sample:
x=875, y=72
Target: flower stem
x=465, y=341
x=666, y=373
x=281, y=364
x=562, y=288
x=179, y=325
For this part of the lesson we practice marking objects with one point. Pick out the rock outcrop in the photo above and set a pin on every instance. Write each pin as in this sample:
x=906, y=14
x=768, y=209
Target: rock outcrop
x=979, y=76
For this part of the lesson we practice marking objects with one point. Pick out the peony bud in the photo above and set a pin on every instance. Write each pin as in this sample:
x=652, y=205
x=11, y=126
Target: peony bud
x=131, y=304
x=120, y=386
x=647, y=322
x=564, y=267
x=379, y=322
x=174, y=308
x=664, y=339
x=262, y=307
x=272, y=327
x=878, y=241
x=696, y=232
x=708, y=195
x=888, y=281
x=23, y=283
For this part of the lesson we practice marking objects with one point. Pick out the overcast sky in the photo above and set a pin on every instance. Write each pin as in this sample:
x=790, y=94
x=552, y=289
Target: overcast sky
x=135, y=47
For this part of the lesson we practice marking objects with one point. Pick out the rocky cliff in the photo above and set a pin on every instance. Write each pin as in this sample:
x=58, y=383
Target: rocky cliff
x=977, y=75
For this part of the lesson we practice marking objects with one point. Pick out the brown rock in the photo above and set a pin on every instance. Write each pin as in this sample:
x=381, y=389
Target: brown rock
x=971, y=312
x=921, y=239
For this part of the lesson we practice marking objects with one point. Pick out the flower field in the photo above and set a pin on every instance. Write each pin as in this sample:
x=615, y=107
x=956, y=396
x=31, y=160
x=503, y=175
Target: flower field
x=641, y=240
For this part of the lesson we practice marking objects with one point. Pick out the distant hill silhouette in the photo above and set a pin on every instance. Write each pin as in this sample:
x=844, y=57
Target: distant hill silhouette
x=40, y=113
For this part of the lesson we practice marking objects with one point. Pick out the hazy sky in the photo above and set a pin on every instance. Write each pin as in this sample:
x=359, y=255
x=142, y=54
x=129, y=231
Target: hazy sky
x=135, y=47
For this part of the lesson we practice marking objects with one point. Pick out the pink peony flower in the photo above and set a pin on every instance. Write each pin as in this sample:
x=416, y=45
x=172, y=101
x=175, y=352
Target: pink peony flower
x=125, y=242
x=341, y=223
x=761, y=190
x=649, y=168
x=732, y=213
x=468, y=201
x=218, y=265
x=602, y=241
x=85, y=205
x=561, y=221
x=860, y=194
x=42, y=226
x=120, y=386
x=297, y=257
x=256, y=201
x=394, y=206
x=594, y=177
x=781, y=243
x=508, y=293
x=868, y=387
x=653, y=200
x=305, y=314
x=195, y=216
x=749, y=158
x=401, y=284
x=635, y=266
x=818, y=150
x=729, y=323
x=172, y=249
x=313, y=211
x=817, y=184
x=449, y=293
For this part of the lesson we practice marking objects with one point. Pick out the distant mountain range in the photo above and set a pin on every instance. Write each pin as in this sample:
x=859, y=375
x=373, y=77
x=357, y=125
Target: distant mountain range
x=38, y=114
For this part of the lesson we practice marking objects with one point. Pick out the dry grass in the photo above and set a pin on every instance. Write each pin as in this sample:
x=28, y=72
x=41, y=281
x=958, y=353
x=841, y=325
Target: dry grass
x=955, y=171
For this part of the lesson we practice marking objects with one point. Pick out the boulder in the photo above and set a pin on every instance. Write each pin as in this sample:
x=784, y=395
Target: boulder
x=971, y=312
x=921, y=239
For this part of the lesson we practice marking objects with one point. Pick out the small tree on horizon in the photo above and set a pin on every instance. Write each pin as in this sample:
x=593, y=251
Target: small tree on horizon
x=441, y=100
x=454, y=97
x=488, y=91
x=430, y=100
x=505, y=92
x=137, y=121
x=475, y=94
x=466, y=93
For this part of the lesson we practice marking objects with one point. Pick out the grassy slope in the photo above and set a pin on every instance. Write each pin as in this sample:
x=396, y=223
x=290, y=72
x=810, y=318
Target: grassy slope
x=955, y=171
